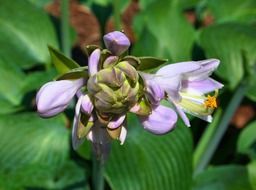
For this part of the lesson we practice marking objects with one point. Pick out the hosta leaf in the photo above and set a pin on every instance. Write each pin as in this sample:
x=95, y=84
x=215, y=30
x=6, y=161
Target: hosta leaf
x=25, y=33
x=234, y=44
x=247, y=140
x=62, y=63
x=27, y=139
x=148, y=161
x=223, y=178
x=166, y=22
x=235, y=10
x=41, y=175
x=251, y=167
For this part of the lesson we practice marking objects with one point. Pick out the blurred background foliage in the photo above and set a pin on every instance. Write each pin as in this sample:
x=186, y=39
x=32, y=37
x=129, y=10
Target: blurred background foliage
x=35, y=153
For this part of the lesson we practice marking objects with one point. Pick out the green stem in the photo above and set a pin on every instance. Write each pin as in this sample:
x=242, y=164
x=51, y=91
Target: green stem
x=65, y=40
x=117, y=15
x=206, y=138
x=97, y=173
x=215, y=139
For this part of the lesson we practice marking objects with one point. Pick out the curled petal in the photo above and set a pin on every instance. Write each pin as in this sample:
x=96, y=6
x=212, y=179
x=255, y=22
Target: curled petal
x=160, y=121
x=116, y=42
x=182, y=115
x=206, y=69
x=86, y=105
x=201, y=87
x=93, y=62
x=115, y=123
x=55, y=96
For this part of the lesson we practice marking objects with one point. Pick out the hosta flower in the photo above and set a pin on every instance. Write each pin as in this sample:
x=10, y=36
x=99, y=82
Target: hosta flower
x=187, y=86
x=114, y=84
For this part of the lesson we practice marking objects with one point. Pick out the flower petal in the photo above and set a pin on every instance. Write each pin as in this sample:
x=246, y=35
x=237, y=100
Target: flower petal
x=116, y=122
x=175, y=69
x=123, y=135
x=169, y=77
x=116, y=42
x=55, y=96
x=160, y=121
x=154, y=92
x=200, y=87
x=86, y=105
x=182, y=114
x=93, y=62
x=76, y=142
x=207, y=67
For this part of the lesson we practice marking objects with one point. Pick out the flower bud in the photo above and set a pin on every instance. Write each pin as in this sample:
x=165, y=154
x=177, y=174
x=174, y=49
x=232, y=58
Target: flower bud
x=93, y=62
x=116, y=42
x=55, y=96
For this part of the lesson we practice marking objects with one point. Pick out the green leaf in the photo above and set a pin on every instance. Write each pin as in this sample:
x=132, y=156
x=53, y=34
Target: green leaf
x=81, y=72
x=28, y=139
x=25, y=34
x=234, y=44
x=251, y=167
x=11, y=81
x=62, y=63
x=223, y=178
x=149, y=161
x=147, y=63
x=246, y=143
x=166, y=22
x=15, y=84
x=251, y=92
x=42, y=176
x=235, y=10
x=6, y=106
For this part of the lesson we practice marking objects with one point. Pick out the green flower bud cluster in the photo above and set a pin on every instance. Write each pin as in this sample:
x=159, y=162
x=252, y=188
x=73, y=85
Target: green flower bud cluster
x=116, y=87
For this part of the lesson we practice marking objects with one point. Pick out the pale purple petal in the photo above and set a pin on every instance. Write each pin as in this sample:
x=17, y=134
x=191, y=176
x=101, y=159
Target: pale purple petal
x=207, y=67
x=175, y=69
x=201, y=87
x=171, y=86
x=86, y=105
x=55, y=96
x=115, y=123
x=123, y=135
x=76, y=142
x=93, y=62
x=116, y=42
x=169, y=77
x=181, y=114
x=154, y=92
x=160, y=121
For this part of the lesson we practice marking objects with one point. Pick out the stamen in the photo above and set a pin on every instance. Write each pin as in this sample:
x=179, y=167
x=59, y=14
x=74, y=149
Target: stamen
x=210, y=102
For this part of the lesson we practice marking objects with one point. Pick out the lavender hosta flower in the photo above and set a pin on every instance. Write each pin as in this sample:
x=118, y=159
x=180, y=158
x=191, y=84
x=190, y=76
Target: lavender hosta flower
x=113, y=86
x=188, y=94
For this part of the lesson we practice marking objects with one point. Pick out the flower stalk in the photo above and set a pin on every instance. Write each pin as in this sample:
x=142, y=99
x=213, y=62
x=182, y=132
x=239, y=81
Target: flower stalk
x=97, y=172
